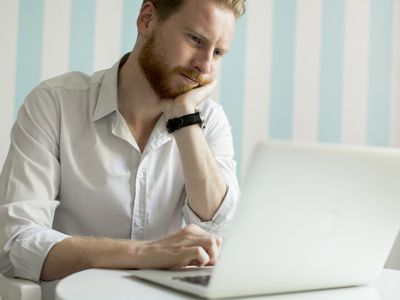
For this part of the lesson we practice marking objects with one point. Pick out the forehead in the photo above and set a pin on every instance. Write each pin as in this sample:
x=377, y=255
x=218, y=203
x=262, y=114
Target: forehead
x=207, y=18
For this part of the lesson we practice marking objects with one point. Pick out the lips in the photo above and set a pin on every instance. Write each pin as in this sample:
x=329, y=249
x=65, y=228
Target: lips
x=191, y=80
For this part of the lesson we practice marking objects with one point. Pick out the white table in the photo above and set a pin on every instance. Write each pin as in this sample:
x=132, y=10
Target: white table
x=121, y=284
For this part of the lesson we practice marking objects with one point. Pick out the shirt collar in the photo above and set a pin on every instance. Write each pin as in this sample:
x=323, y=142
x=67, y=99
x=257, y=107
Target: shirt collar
x=160, y=135
x=107, y=101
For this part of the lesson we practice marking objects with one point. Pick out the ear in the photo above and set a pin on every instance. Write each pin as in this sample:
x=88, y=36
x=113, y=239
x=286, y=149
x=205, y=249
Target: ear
x=146, y=19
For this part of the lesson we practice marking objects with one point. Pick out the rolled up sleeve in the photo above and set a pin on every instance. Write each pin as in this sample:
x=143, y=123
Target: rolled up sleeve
x=221, y=220
x=29, y=185
x=219, y=138
x=29, y=250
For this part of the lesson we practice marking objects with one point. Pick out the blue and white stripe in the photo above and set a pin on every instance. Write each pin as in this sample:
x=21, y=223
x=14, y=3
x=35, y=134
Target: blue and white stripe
x=331, y=71
x=315, y=70
x=8, y=59
x=394, y=132
x=380, y=64
x=56, y=39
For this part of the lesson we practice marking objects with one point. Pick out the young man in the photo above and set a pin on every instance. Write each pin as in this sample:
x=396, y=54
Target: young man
x=102, y=168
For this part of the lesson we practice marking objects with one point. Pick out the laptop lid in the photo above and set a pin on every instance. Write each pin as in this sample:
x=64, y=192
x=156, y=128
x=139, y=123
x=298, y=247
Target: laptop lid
x=311, y=216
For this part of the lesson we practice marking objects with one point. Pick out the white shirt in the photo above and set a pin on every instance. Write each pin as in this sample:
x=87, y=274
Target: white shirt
x=74, y=169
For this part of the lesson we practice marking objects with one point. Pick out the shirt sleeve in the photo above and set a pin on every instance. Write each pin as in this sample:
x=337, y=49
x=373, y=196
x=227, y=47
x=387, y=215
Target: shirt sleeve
x=219, y=138
x=29, y=185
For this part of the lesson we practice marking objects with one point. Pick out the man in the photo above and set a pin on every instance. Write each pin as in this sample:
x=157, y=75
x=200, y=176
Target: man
x=124, y=155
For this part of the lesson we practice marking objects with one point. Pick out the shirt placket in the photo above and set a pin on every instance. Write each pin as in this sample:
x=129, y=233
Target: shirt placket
x=139, y=204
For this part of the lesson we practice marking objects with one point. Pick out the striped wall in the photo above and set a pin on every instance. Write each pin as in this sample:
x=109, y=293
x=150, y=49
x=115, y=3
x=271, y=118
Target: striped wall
x=313, y=70
x=40, y=39
x=318, y=70
x=322, y=70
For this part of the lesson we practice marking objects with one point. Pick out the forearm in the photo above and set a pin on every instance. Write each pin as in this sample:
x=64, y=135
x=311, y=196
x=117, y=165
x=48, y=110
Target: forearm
x=75, y=254
x=189, y=246
x=204, y=183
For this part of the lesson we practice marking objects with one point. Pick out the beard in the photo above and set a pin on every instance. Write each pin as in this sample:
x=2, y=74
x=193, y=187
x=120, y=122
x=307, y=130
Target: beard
x=158, y=74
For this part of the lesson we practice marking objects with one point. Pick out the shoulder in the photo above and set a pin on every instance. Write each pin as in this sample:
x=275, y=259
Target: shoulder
x=54, y=93
x=73, y=81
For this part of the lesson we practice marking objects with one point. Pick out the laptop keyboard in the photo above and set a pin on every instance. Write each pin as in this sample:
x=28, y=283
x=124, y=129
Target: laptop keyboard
x=202, y=280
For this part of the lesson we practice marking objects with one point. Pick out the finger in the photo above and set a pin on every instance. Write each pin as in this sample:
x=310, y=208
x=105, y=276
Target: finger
x=202, y=93
x=191, y=256
x=199, y=257
x=208, y=243
x=211, y=85
x=196, y=236
x=207, y=89
x=215, y=251
x=219, y=242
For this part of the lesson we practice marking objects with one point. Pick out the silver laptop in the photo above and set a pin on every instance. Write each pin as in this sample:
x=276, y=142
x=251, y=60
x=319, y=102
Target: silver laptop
x=311, y=217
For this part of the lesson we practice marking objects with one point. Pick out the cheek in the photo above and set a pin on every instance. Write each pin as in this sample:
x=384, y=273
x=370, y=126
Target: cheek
x=172, y=51
x=215, y=70
x=186, y=54
x=179, y=57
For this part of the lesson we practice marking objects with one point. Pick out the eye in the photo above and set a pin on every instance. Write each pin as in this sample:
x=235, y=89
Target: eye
x=218, y=53
x=197, y=41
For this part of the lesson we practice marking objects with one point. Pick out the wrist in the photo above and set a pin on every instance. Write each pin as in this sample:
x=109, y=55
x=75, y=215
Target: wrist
x=136, y=253
x=180, y=109
x=183, y=121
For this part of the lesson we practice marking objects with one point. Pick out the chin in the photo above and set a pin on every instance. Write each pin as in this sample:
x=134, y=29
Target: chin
x=173, y=93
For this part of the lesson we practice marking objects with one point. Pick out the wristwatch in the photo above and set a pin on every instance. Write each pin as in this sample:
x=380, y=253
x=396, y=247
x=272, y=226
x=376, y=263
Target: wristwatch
x=183, y=121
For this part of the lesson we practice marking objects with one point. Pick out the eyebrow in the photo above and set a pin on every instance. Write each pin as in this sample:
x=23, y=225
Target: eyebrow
x=191, y=30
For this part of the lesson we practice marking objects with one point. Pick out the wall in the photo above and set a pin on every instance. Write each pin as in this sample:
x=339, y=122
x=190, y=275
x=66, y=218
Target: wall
x=45, y=38
x=40, y=39
x=314, y=70
x=323, y=70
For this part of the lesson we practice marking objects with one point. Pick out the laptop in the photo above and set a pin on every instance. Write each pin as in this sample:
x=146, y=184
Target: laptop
x=311, y=216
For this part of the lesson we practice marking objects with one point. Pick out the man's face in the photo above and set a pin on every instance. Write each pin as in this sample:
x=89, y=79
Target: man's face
x=185, y=51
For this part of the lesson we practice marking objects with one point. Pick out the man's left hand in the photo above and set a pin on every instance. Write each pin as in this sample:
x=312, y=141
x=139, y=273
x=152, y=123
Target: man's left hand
x=186, y=103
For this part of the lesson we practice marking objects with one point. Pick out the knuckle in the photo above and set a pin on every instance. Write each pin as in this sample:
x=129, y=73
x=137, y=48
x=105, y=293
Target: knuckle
x=211, y=242
x=187, y=229
x=191, y=227
x=198, y=250
x=190, y=230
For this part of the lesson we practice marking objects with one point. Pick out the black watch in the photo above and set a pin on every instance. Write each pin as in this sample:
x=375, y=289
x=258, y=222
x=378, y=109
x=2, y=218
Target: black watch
x=186, y=120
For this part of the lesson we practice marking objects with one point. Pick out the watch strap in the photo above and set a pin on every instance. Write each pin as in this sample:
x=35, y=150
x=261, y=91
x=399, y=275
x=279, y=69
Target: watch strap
x=183, y=121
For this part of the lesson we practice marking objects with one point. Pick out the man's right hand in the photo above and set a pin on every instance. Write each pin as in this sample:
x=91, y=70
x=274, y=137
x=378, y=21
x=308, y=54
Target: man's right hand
x=190, y=246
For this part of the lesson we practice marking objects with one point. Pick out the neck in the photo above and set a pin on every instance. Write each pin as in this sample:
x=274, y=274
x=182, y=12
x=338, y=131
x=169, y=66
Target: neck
x=137, y=101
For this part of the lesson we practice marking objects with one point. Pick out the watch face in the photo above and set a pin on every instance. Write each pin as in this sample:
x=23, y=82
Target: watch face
x=174, y=124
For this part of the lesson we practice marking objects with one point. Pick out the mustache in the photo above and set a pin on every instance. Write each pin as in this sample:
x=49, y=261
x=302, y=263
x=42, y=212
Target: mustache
x=200, y=79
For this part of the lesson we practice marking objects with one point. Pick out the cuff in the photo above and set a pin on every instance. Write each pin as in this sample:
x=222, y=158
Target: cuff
x=221, y=220
x=30, y=250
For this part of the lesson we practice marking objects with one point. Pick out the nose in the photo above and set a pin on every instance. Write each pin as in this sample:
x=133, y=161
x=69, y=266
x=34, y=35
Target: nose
x=203, y=62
